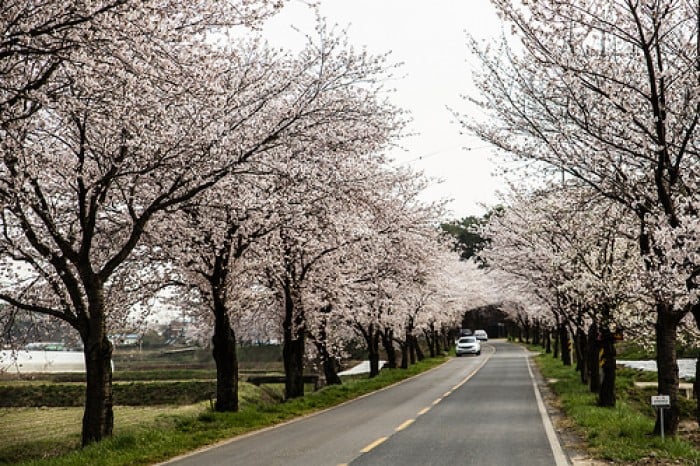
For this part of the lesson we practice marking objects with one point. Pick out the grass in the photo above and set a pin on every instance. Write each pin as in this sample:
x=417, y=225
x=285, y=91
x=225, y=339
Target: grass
x=622, y=434
x=145, y=435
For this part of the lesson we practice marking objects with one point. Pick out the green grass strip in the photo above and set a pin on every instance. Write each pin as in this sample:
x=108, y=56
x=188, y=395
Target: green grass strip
x=621, y=434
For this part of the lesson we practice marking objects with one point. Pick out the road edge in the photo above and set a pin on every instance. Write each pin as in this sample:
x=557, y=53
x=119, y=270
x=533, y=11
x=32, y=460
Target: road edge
x=573, y=444
x=560, y=457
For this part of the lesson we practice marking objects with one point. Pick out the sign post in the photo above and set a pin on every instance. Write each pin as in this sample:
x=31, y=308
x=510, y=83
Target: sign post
x=661, y=402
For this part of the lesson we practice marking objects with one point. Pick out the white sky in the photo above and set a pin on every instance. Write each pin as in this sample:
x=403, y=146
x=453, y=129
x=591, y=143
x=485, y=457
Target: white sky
x=429, y=38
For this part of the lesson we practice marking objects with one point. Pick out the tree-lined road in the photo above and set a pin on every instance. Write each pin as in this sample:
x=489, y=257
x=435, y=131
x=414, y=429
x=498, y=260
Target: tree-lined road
x=472, y=410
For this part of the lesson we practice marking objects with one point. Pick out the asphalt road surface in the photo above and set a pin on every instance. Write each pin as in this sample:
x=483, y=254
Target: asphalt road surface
x=480, y=410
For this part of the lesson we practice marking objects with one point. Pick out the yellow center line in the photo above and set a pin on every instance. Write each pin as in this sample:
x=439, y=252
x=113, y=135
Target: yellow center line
x=421, y=412
x=405, y=424
x=466, y=379
x=373, y=444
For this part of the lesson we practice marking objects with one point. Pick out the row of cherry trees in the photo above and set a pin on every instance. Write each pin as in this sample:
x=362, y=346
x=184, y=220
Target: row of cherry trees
x=152, y=145
x=583, y=285
x=607, y=92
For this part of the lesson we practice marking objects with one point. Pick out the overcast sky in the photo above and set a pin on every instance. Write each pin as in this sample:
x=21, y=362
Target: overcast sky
x=429, y=38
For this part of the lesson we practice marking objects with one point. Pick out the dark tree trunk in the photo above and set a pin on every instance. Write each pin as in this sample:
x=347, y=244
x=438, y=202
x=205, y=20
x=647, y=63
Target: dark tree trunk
x=547, y=341
x=667, y=365
x=696, y=389
x=373, y=349
x=98, y=417
x=565, y=345
x=330, y=371
x=446, y=339
x=388, y=344
x=293, y=356
x=293, y=348
x=224, y=339
x=412, y=357
x=404, y=355
x=557, y=343
x=435, y=340
x=536, y=337
x=410, y=344
x=606, y=395
x=581, y=356
x=416, y=346
x=328, y=361
x=329, y=364
x=527, y=330
x=226, y=358
x=429, y=338
x=696, y=382
x=593, y=359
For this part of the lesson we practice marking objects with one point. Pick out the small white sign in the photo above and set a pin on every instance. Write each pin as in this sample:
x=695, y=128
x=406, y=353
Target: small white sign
x=661, y=401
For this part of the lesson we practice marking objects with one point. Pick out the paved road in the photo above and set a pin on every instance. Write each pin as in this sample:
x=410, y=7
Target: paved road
x=493, y=419
x=472, y=410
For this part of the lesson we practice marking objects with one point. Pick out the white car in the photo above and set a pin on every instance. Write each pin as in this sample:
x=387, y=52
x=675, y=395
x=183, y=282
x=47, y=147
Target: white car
x=468, y=345
x=481, y=335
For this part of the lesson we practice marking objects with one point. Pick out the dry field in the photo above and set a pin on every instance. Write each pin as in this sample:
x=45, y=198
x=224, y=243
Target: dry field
x=23, y=425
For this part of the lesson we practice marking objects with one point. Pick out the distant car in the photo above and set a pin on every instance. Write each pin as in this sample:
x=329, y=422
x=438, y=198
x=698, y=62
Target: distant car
x=468, y=345
x=465, y=332
x=481, y=335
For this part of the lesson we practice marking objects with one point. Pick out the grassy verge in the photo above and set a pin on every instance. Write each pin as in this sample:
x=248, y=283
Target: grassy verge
x=622, y=434
x=165, y=433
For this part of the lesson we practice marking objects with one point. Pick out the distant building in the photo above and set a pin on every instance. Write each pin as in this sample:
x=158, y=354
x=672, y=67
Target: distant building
x=125, y=339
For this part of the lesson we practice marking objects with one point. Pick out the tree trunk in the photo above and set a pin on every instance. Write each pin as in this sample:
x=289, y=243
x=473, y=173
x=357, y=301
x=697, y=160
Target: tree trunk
x=329, y=364
x=410, y=344
x=536, y=337
x=696, y=389
x=593, y=359
x=667, y=365
x=696, y=383
x=429, y=337
x=330, y=371
x=373, y=349
x=328, y=361
x=606, y=396
x=435, y=340
x=388, y=344
x=416, y=346
x=547, y=341
x=581, y=356
x=404, y=354
x=226, y=358
x=293, y=356
x=565, y=345
x=555, y=353
x=98, y=417
x=293, y=348
x=527, y=329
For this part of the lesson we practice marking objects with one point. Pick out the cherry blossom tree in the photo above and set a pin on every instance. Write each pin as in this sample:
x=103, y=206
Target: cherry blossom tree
x=311, y=244
x=41, y=37
x=586, y=274
x=608, y=93
x=135, y=121
x=311, y=176
x=405, y=239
